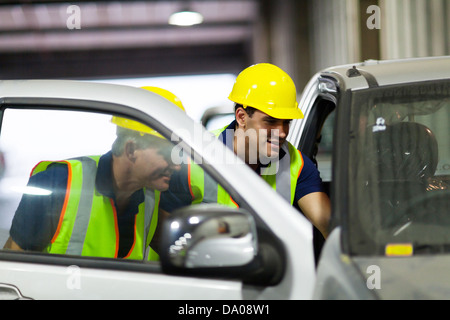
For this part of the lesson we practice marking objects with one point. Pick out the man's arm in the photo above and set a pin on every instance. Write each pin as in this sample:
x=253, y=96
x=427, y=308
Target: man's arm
x=178, y=195
x=12, y=245
x=36, y=218
x=311, y=198
x=155, y=243
x=316, y=207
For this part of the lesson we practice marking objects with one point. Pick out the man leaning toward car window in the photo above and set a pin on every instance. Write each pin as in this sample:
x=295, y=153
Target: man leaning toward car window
x=265, y=103
x=102, y=206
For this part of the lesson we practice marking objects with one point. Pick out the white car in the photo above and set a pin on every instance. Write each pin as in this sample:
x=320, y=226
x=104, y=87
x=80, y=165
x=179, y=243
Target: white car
x=266, y=253
x=379, y=130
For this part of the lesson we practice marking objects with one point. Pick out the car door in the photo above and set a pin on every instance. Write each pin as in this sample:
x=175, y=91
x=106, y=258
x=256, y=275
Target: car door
x=55, y=121
x=313, y=135
x=31, y=135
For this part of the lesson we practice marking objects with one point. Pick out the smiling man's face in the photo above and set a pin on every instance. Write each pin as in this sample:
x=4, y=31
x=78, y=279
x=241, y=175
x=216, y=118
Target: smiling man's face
x=268, y=133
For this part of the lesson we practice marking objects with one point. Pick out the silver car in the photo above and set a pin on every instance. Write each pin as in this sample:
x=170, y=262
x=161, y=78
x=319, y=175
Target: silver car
x=379, y=132
x=2, y=164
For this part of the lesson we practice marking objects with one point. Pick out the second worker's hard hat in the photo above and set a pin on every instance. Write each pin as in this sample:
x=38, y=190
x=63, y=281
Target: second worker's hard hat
x=269, y=89
x=167, y=95
x=141, y=128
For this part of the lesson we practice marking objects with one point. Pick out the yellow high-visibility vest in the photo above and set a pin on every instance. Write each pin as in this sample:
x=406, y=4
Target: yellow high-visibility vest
x=88, y=220
x=282, y=176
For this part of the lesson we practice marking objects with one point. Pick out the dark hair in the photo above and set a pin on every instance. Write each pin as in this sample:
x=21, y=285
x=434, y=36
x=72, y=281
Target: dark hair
x=250, y=110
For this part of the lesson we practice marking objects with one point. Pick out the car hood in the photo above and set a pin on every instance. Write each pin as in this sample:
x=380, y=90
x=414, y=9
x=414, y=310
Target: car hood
x=417, y=277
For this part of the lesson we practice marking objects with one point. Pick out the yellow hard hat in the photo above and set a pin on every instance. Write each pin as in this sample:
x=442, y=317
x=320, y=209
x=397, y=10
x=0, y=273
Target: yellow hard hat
x=167, y=95
x=269, y=89
x=136, y=126
x=143, y=129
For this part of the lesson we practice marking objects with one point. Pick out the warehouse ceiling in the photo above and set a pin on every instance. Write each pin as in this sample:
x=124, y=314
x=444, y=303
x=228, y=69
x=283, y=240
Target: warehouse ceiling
x=50, y=39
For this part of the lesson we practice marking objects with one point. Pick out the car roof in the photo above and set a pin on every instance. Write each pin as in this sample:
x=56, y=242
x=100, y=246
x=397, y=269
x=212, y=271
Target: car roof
x=126, y=98
x=390, y=72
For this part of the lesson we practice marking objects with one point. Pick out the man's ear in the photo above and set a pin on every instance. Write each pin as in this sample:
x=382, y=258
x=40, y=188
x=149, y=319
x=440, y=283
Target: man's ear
x=241, y=117
x=130, y=151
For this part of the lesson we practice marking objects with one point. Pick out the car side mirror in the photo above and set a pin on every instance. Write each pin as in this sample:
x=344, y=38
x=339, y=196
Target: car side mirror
x=211, y=240
x=208, y=236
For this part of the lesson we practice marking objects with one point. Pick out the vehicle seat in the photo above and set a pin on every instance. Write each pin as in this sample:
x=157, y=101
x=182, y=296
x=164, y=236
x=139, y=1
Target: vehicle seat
x=405, y=156
x=406, y=151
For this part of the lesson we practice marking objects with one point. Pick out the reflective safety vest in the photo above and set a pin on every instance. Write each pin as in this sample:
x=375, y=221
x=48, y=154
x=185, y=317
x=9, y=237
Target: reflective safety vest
x=281, y=175
x=88, y=220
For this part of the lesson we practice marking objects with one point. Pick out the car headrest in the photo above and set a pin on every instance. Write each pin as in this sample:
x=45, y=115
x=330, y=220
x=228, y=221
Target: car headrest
x=404, y=151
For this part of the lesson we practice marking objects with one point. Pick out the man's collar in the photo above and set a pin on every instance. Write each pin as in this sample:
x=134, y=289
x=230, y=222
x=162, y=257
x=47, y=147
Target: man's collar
x=104, y=181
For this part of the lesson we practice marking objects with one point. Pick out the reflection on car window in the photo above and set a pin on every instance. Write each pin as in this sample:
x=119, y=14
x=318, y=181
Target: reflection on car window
x=192, y=185
x=31, y=136
x=400, y=171
x=87, y=184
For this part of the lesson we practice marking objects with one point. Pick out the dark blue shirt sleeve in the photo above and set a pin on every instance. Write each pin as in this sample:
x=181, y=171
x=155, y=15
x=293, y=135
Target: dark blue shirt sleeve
x=178, y=195
x=309, y=180
x=37, y=216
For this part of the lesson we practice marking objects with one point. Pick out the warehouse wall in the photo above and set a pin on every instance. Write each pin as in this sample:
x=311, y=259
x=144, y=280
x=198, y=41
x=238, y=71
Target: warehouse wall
x=304, y=36
x=415, y=28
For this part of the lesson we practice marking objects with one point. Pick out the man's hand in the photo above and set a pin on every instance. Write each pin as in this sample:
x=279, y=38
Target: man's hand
x=12, y=245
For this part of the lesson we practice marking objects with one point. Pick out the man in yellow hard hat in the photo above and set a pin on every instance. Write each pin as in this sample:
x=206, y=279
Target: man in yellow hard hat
x=102, y=206
x=265, y=103
x=265, y=100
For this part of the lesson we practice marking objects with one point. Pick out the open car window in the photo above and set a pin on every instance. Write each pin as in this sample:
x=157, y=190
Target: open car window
x=86, y=184
x=31, y=136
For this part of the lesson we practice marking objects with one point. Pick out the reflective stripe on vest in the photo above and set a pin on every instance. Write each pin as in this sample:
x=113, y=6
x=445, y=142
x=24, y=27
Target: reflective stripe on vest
x=88, y=220
x=281, y=175
x=205, y=189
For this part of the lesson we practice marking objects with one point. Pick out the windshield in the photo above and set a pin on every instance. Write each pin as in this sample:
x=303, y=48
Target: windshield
x=400, y=170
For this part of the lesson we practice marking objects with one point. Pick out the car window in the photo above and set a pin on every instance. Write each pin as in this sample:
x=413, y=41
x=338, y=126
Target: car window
x=89, y=184
x=399, y=169
x=219, y=121
x=30, y=136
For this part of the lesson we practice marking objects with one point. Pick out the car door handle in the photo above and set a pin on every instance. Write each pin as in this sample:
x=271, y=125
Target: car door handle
x=9, y=292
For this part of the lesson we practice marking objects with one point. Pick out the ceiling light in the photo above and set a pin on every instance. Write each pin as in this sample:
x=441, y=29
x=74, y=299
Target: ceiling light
x=185, y=18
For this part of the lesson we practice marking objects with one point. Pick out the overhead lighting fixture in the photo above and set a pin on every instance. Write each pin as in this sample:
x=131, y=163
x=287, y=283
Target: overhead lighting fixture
x=185, y=18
